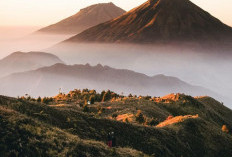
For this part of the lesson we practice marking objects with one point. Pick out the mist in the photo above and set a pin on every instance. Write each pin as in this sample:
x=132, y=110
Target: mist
x=199, y=67
x=14, y=39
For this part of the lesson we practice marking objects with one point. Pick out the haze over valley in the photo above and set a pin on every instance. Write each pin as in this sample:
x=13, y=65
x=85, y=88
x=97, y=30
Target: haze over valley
x=153, y=81
x=192, y=62
x=185, y=63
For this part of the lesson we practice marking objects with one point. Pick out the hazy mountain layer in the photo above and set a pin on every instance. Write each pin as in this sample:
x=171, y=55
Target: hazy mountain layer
x=47, y=81
x=20, y=62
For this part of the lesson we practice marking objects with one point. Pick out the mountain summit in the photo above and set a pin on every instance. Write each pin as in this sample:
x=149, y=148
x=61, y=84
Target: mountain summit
x=159, y=20
x=85, y=18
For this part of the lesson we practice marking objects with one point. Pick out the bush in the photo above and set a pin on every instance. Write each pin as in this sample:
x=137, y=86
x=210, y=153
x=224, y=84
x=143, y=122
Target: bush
x=39, y=99
x=169, y=117
x=114, y=116
x=92, y=99
x=225, y=129
x=154, y=122
x=85, y=108
x=127, y=120
x=107, y=96
x=139, y=117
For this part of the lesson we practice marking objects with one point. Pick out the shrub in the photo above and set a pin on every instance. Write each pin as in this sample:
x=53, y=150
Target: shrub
x=39, y=99
x=85, y=108
x=169, y=117
x=225, y=129
x=127, y=120
x=92, y=99
x=154, y=122
x=100, y=110
x=114, y=116
x=139, y=117
x=107, y=96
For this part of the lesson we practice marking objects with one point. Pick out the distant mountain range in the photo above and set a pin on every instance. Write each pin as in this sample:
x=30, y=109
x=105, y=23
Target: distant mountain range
x=160, y=21
x=20, y=62
x=84, y=19
x=47, y=80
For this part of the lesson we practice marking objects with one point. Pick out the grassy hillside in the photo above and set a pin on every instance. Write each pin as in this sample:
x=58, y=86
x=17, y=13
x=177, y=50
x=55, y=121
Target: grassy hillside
x=68, y=125
x=22, y=135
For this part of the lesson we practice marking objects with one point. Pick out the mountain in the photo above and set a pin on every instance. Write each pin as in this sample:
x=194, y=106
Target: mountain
x=159, y=21
x=85, y=18
x=20, y=62
x=46, y=81
x=29, y=128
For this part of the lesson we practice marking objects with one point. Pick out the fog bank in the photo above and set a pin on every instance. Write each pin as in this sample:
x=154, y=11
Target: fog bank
x=14, y=39
x=208, y=69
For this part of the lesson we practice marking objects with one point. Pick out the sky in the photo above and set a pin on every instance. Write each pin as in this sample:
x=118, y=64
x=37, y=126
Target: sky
x=46, y=12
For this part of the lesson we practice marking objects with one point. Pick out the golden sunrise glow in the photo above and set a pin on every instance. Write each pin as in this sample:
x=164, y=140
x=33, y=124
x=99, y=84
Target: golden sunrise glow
x=46, y=12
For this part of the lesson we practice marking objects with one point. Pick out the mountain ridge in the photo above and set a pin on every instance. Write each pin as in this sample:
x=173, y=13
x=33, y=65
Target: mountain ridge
x=99, y=77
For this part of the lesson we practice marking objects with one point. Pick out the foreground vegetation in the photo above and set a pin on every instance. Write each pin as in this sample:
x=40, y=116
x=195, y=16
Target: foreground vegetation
x=77, y=124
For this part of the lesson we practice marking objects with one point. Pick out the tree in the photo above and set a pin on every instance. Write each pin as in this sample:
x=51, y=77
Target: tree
x=100, y=111
x=102, y=94
x=169, y=117
x=33, y=99
x=93, y=92
x=85, y=90
x=45, y=100
x=92, y=99
x=127, y=120
x=147, y=97
x=85, y=101
x=225, y=129
x=107, y=96
x=39, y=99
x=85, y=108
x=29, y=98
x=154, y=122
x=139, y=117
x=51, y=99
x=115, y=115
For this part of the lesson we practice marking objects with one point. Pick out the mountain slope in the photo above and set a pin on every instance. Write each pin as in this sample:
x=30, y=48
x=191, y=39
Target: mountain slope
x=20, y=62
x=98, y=77
x=23, y=135
x=68, y=130
x=158, y=21
x=85, y=19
